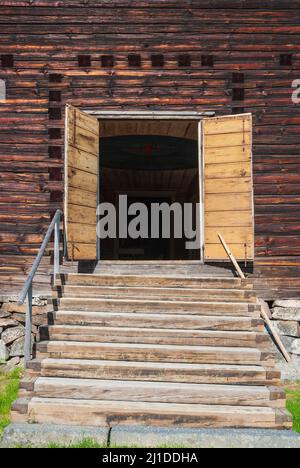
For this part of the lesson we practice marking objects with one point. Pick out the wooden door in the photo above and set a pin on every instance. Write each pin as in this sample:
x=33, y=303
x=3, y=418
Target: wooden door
x=81, y=184
x=228, y=186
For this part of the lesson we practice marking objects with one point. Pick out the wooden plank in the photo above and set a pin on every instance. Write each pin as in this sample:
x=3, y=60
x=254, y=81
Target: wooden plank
x=231, y=140
x=79, y=159
x=97, y=413
x=224, y=155
x=111, y=390
x=84, y=140
x=155, y=336
x=237, y=170
x=82, y=215
x=183, y=129
x=147, y=371
x=229, y=219
x=238, y=305
x=169, y=294
x=161, y=353
x=237, y=235
x=82, y=180
x=79, y=251
x=160, y=321
x=223, y=125
x=82, y=120
x=154, y=281
x=228, y=185
x=83, y=198
x=83, y=233
x=213, y=251
x=217, y=202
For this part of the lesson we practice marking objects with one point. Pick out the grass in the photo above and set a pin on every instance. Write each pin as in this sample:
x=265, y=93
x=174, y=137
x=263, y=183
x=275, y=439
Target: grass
x=9, y=386
x=293, y=403
x=91, y=444
x=85, y=443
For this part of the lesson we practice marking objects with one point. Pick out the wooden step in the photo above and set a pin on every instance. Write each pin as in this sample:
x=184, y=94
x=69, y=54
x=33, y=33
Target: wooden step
x=138, y=320
x=160, y=372
x=159, y=353
x=155, y=281
x=158, y=392
x=158, y=307
x=110, y=413
x=33, y=368
x=27, y=385
x=155, y=336
x=19, y=410
x=174, y=294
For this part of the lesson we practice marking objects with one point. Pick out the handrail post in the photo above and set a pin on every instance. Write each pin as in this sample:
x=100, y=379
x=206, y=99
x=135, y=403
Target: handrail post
x=28, y=326
x=56, y=248
x=27, y=289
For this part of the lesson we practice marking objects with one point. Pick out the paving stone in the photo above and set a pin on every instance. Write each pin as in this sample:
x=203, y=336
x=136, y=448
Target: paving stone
x=202, y=438
x=41, y=435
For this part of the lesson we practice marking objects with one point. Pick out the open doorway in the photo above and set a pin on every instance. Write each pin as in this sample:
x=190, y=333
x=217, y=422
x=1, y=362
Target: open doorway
x=188, y=158
x=151, y=162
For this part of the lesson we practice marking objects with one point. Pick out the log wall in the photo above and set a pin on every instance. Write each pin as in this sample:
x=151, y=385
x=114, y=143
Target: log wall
x=230, y=56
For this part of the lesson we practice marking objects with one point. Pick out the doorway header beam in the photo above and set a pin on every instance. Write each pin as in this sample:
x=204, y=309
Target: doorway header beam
x=147, y=115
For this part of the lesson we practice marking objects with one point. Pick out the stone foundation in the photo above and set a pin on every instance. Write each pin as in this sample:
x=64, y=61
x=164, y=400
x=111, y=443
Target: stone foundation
x=12, y=327
x=286, y=317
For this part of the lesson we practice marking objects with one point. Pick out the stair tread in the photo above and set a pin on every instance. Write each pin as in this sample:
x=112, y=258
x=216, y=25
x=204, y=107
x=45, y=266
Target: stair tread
x=117, y=300
x=170, y=365
x=159, y=293
x=88, y=287
x=152, y=391
x=134, y=406
x=149, y=346
x=176, y=387
x=146, y=315
x=156, y=336
x=173, y=307
x=91, y=328
x=110, y=413
x=159, y=321
x=156, y=350
x=95, y=276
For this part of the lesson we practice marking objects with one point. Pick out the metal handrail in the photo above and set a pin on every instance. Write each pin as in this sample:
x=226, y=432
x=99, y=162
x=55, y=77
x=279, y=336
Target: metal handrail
x=27, y=289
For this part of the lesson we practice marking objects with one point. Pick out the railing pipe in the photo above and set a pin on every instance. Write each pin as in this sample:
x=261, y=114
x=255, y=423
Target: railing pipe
x=26, y=292
x=56, y=246
x=28, y=327
x=38, y=259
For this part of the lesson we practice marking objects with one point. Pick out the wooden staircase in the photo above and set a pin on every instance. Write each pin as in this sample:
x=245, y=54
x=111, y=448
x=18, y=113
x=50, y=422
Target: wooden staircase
x=154, y=350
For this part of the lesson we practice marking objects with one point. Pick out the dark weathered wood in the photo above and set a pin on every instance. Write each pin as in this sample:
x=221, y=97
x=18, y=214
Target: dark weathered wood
x=45, y=38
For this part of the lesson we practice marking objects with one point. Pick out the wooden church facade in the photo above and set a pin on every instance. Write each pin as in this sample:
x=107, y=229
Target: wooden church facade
x=228, y=57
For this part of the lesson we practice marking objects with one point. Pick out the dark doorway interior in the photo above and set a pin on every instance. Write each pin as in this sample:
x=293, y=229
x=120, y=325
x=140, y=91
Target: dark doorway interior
x=149, y=169
x=145, y=249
